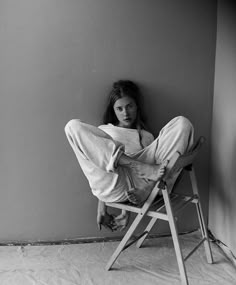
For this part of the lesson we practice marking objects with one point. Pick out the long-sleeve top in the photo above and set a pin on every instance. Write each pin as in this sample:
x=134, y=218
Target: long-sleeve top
x=128, y=137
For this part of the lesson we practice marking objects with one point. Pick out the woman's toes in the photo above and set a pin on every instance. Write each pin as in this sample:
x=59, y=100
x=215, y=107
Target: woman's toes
x=132, y=197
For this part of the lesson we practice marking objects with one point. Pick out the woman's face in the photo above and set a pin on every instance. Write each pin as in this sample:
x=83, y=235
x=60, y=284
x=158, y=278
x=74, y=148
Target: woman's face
x=125, y=109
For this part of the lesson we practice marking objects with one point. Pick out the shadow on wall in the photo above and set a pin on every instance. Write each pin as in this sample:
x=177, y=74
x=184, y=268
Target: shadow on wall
x=223, y=179
x=159, y=110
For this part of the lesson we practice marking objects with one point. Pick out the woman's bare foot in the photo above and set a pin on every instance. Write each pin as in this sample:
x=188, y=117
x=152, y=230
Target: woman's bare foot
x=133, y=197
x=150, y=171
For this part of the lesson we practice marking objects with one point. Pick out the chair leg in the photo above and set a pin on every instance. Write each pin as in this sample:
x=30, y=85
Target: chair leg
x=124, y=241
x=148, y=229
x=133, y=226
x=204, y=234
x=201, y=218
x=174, y=233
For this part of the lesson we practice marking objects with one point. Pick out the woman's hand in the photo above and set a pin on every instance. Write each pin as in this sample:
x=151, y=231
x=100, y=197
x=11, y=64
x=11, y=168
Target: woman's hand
x=111, y=222
x=106, y=220
x=121, y=221
x=103, y=218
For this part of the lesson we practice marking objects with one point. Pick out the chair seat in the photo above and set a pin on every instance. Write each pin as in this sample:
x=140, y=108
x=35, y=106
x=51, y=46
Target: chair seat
x=178, y=202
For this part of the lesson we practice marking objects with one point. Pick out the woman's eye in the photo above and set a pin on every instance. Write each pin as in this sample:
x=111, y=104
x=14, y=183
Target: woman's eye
x=131, y=106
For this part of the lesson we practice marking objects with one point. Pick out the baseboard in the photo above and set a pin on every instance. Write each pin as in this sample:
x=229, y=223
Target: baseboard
x=79, y=240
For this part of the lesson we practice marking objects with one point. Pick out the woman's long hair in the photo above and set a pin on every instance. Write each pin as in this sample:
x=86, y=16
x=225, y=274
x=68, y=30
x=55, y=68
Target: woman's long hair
x=121, y=89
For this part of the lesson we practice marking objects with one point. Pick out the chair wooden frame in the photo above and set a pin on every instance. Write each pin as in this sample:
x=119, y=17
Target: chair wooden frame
x=166, y=209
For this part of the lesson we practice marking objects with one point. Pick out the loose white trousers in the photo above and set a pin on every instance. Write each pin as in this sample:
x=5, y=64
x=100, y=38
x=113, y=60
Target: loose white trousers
x=98, y=154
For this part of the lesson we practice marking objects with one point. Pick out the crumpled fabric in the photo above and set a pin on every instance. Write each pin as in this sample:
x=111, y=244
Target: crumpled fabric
x=75, y=264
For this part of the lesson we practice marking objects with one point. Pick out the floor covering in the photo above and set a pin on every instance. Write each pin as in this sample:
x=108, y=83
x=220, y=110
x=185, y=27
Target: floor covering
x=83, y=264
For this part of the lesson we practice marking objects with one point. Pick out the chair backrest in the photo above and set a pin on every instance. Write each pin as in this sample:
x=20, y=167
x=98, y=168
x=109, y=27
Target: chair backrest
x=184, y=161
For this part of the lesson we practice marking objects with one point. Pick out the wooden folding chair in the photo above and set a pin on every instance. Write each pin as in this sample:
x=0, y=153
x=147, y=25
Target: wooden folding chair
x=166, y=210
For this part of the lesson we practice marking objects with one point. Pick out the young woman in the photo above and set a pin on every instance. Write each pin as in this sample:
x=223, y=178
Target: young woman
x=120, y=158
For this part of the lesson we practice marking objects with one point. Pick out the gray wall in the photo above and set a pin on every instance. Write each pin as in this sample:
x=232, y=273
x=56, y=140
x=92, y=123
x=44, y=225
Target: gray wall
x=58, y=60
x=222, y=210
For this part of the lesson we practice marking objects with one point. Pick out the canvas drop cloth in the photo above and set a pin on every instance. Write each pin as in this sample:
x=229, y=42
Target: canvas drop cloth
x=75, y=264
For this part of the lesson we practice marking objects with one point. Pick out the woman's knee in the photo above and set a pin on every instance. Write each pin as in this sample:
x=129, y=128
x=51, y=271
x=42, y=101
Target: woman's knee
x=184, y=123
x=73, y=124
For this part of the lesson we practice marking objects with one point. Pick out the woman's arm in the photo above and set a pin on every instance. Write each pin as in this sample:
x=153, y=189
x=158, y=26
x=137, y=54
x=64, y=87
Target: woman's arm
x=111, y=222
x=103, y=218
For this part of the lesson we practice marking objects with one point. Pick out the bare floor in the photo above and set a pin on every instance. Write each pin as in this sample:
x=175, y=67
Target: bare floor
x=77, y=264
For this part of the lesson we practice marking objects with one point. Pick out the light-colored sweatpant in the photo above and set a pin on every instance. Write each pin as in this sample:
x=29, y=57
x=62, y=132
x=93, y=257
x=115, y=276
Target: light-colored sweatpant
x=98, y=155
